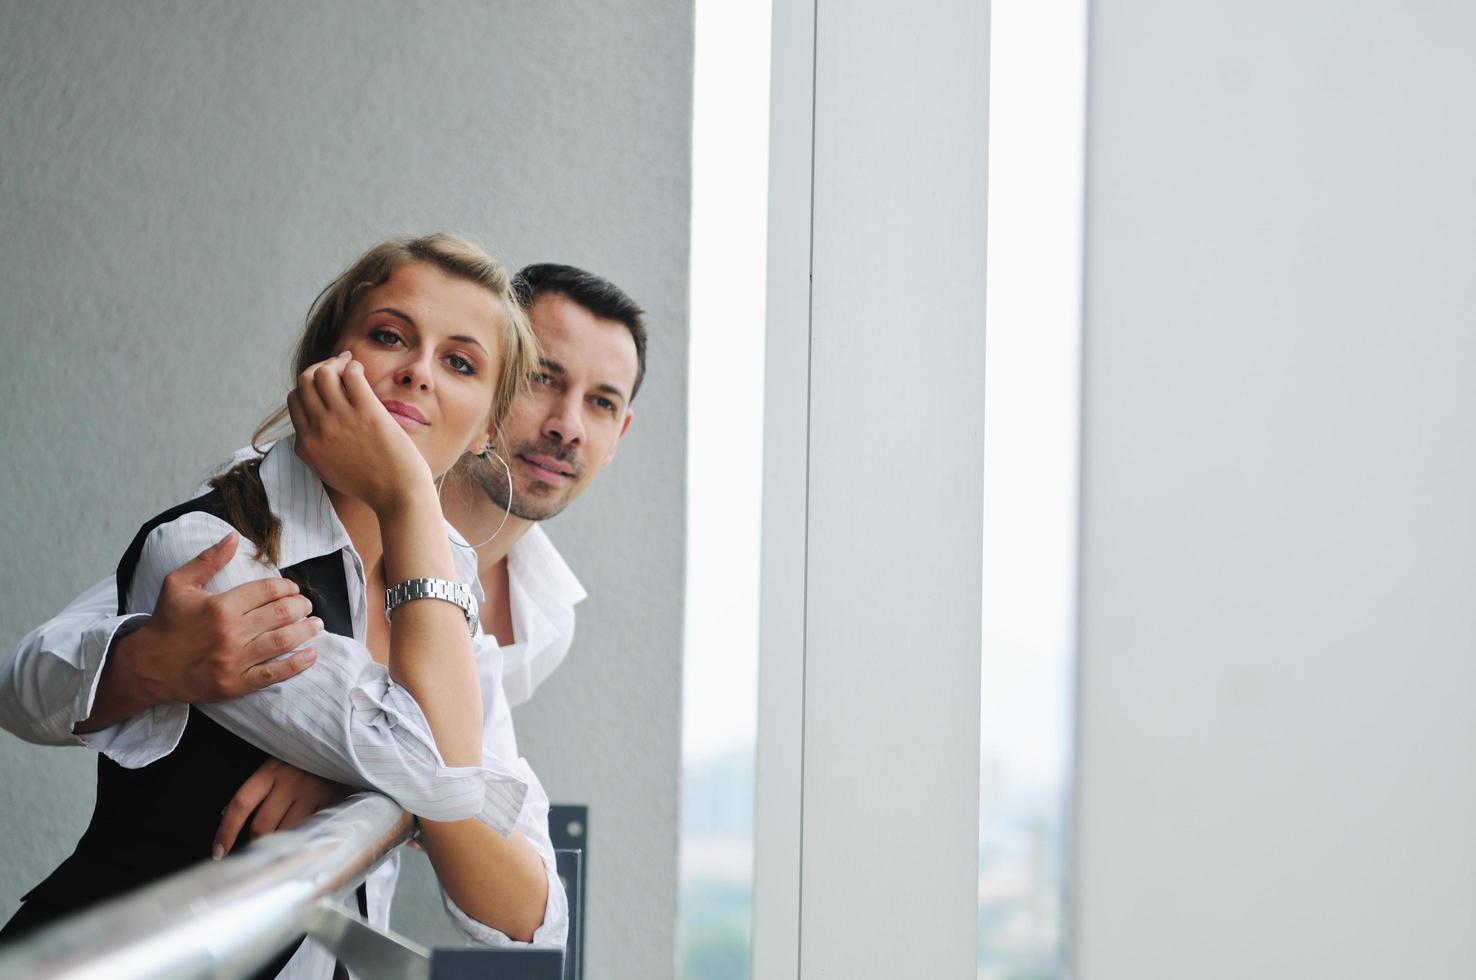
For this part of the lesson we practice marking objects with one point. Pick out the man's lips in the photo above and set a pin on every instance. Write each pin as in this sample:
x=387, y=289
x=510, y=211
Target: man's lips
x=547, y=469
x=407, y=415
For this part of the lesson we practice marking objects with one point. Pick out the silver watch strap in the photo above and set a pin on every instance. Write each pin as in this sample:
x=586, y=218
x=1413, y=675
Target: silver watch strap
x=432, y=588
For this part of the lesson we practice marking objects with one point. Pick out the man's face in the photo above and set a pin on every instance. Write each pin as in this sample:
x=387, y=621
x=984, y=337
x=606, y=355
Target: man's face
x=567, y=428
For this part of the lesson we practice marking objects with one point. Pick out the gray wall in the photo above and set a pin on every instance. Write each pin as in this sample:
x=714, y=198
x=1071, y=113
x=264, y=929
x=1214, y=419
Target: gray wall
x=179, y=179
x=1277, y=741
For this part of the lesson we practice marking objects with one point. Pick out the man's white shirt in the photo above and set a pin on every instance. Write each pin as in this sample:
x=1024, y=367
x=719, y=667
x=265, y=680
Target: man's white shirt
x=343, y=718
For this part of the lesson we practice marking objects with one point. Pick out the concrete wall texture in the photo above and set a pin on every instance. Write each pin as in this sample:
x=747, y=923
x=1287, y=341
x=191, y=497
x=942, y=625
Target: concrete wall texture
x=179, y=179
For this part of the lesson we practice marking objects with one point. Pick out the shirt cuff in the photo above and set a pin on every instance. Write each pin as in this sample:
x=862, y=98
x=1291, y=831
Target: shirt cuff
x=96, y=644
x=140, y=739
x=144, y=738
x=396, y=751
x=554, y=929
x=553, y=933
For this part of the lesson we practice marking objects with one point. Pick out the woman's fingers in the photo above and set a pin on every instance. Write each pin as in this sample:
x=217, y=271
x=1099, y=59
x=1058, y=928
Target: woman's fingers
x=299, y=811
x=356, y=387
x=272, y=809
x=247, y=798
x=328, y=382
x=329, y=388
x=321, y=386
x=308, y=399
x=276, y=797
x=296, y=413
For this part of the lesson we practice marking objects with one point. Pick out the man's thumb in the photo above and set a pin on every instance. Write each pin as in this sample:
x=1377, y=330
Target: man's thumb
x=202, y=567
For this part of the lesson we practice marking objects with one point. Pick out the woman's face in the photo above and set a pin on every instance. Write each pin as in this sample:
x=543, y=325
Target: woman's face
x=429, y=344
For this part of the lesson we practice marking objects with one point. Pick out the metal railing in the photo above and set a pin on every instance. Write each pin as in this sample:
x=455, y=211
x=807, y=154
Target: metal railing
x=226, y=918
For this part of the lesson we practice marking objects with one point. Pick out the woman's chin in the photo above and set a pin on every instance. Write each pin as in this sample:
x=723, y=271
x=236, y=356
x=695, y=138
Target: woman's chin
x=440, y=462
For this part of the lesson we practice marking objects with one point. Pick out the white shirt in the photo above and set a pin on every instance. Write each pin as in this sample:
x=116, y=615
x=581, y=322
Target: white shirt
x=542, y=593
x=48, y=683
x=343, y=718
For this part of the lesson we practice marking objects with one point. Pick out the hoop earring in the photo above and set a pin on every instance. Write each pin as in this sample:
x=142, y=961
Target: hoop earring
x=484, y=455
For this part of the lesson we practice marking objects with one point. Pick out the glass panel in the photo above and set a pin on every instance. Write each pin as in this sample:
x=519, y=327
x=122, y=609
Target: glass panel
x=1030, y=453
x=730, y=140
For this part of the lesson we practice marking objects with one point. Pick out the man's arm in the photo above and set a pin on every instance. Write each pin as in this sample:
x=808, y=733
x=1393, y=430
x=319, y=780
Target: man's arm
x=345, y=719
x=74, y=679
x=48, y=681
x=200, y=647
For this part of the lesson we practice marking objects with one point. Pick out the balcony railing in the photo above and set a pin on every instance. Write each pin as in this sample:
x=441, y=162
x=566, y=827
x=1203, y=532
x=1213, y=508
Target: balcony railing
x=226, y=918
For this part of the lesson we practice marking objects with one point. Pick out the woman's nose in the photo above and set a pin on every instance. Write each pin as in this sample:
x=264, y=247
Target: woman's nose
x=414, y=374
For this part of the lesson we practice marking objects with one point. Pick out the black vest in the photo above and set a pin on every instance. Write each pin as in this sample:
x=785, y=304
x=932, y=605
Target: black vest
x=151, y=822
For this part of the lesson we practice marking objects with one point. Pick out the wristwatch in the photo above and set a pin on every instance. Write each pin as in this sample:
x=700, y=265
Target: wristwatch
x=432, y=588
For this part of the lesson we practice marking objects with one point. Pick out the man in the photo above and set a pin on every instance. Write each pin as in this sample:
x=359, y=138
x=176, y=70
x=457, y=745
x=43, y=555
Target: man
x=92, y=678
x=558, y=439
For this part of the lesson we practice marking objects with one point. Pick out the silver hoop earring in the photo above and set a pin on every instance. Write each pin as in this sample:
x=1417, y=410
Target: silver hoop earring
x=485, y=455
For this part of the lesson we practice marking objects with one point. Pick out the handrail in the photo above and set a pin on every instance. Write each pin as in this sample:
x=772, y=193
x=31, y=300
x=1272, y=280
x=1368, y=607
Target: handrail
x=223, y=918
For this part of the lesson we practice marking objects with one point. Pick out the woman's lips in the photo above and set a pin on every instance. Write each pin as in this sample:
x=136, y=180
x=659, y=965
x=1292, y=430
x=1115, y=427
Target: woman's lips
x=407, y=415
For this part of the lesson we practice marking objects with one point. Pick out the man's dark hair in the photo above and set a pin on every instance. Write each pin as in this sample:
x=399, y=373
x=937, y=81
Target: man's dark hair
x=598, y=295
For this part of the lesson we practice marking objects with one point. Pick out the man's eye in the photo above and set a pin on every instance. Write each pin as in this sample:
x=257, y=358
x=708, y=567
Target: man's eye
x=383, y=336
x=604, y=404
x=460, y=364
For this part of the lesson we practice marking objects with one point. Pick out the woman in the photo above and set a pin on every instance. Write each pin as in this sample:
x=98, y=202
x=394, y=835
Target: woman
x=409, y=360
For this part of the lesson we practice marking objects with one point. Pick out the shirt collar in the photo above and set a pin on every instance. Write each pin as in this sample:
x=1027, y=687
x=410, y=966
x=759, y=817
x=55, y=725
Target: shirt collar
x=543, y=592
x=550, y=582
x=310, y=526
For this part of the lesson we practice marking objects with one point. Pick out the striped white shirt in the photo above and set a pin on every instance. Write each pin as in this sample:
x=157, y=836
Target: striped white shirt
x=377, y=736
x=343, y=718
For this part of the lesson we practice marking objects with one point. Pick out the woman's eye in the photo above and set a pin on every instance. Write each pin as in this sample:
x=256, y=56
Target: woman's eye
x=387, y=337
x=539, y=378
x=460, y=364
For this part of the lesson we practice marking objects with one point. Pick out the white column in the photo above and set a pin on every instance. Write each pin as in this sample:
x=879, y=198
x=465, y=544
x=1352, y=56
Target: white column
x=867, y=824
x=1277, y=773
x=782, y=570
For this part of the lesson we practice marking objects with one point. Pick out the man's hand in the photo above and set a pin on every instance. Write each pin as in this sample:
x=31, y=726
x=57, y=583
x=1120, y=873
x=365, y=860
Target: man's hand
x=199, y=646
x=282, y=798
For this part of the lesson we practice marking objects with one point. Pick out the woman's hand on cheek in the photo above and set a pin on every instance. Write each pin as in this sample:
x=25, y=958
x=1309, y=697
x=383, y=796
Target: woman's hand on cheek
x=348, y=437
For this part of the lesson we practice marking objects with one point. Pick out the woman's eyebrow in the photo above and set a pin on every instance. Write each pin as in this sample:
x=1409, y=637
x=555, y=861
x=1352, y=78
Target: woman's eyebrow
x=401, y=314
x=462, y=338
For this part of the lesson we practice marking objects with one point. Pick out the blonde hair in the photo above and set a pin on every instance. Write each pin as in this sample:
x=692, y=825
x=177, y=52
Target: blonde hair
x=454, y=255
x=241, y=489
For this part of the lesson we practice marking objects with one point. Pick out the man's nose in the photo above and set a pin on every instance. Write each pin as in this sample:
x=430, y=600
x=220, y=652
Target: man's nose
x=562, y=423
